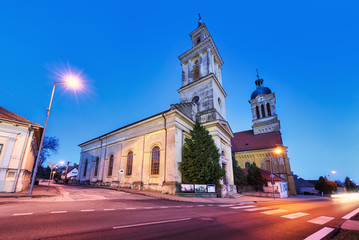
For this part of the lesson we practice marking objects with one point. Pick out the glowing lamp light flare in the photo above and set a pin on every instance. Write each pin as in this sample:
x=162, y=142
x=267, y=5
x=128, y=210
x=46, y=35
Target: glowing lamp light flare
x=72, y=81
x=334, y=172
x=278, y=150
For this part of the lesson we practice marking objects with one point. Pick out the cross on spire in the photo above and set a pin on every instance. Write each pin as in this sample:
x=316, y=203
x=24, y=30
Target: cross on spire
x=199, y=20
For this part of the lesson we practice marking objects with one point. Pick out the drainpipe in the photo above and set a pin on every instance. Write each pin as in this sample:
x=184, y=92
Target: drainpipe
x=21, y=159
x=165, y=126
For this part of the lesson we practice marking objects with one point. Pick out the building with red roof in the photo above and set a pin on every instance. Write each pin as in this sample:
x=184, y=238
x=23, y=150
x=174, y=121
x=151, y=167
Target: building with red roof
x=259, y=144
x=19, y=144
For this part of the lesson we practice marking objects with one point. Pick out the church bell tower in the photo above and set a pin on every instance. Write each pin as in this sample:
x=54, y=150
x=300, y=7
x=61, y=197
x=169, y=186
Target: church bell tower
x=264, y=116
x=201, y=77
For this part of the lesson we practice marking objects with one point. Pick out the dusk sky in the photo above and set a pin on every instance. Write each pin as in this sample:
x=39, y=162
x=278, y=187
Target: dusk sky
x=306, y=52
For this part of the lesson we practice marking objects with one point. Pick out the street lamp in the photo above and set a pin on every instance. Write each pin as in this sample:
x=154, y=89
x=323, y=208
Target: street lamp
x=72, y=81
x=277, y=151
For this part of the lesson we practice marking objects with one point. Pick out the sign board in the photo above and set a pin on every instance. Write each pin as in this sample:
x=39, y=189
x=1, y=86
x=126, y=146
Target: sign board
x=187, y=188
x=211, y=188
x=200, y=188
x=121, y=172
x=51, y=165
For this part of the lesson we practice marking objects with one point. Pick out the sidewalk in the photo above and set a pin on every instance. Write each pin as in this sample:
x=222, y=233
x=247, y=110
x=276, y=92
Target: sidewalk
x=40, y=190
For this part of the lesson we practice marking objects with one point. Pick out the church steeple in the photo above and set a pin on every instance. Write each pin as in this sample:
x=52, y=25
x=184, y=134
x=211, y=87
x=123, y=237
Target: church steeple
x=264, y=116
x=201, y=76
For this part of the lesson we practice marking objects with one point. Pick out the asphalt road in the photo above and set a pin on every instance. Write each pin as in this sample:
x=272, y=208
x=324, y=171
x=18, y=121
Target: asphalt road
x=84, y=213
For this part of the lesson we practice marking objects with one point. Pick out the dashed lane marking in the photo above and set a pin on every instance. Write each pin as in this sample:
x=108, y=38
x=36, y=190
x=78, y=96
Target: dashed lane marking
x=165, y=207
x=54, y=212
x=270, y=212
x=239, y=207
x=22, y=214
x=87, y=210
x=320, y=234
x=351, y=214
x=152, y=223
x=109, y=209
x=200, y=205
x=130, y=208
x=321, y=220
x=227, y=205
x=255, y=209
x=295, y=215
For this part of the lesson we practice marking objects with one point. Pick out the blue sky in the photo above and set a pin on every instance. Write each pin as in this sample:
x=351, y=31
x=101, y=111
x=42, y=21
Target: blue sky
x=306, y=52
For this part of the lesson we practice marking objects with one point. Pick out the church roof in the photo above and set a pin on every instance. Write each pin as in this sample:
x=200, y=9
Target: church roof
x=266, y=174
x=246, y=140
x=8, y=115
x=260, y=90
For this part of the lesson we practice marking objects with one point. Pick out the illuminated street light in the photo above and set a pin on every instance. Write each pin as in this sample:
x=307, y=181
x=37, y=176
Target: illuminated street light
x=334, y=172
x=72, y=81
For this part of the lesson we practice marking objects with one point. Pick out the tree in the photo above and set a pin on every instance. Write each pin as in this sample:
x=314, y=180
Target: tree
x=49, y=146
x=200, y=158
x=325, y=186
x=255, y=177
x=240, y=178
x=349, y=184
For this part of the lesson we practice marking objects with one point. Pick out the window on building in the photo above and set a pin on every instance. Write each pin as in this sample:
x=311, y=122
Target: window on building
x=263, y=112
x=85, y=167
x=257, y=112
x=247, y=165
x=110, y=166
x=96, y=166
x=129, y=163
x=1, y=146
x=224, y=167
x=198, y=40
x=195, y=72
x=155, y=163
x=268, y=110
x=195, y=99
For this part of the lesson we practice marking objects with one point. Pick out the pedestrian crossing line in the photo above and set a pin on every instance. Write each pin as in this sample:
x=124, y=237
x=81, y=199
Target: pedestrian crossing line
x=295, y=215
x=255, y=209
x=321, y=220
x=55, y=212
x=351, y=214
x=22, y=214
x=239, y=207
x=270, y=212
x=320, y=234
x=227, y=205
x=109, y=209
x=87, y=210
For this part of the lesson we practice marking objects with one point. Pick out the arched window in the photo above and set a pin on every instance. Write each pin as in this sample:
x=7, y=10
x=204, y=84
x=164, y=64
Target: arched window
x=198, y=40
x=195, y=72
x=247, y=165
x=257, y=112
x=263, y=112
x=155, y=163
x=110, y=166
x=85, y=168
x=268, y=110
x=129, y=163
x=96, y=167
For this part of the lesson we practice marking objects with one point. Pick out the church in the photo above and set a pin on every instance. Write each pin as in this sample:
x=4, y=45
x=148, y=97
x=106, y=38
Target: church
x=258, y=145
x=146, y=154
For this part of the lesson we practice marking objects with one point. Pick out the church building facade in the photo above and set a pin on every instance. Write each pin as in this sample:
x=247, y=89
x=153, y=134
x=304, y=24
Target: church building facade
x=146, y=154
x=258, y=145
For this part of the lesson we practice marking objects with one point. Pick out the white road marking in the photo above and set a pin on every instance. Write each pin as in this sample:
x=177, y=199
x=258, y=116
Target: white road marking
x=148, y=207
x=321, y=220
x=151, y=223
x=87, y=210
x=130, y=208
x=295, y=215
x=109, y=209
x=200, y=205
x=255, y=209
x=239, y=207
x=22, y=214
x=165, y=207
x=320, y=234
x=59, y=212
x=270, y=212
x=227, y=205
x=351, y=214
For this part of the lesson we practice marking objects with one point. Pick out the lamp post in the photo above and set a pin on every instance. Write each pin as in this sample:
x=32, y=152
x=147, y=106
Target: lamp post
x=73, y=82
x=277, y=151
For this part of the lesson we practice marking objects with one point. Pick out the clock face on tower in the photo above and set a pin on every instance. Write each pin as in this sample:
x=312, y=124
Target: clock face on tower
x=260, y=99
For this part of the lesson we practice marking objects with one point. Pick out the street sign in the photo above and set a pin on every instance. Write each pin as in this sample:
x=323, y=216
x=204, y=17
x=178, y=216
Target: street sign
x=51, y=165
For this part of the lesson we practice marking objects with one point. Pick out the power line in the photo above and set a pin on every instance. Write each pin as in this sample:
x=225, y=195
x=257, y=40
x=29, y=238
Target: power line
x=22, y=100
